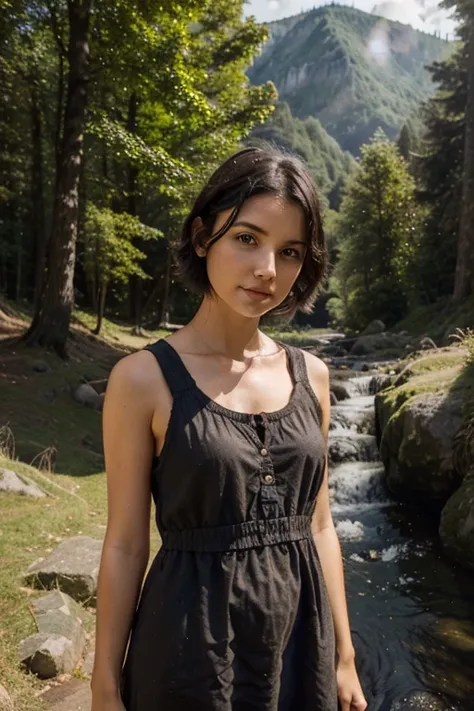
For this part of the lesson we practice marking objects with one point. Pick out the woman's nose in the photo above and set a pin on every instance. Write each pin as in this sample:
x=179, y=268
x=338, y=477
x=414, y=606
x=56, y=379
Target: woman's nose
x=266, y=267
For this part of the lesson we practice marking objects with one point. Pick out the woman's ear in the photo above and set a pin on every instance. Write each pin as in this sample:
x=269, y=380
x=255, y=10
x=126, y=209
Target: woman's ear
x=197, y=236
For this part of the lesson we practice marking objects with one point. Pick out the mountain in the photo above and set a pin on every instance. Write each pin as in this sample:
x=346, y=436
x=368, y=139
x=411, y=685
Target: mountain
x=351, y=70
x=327, y=162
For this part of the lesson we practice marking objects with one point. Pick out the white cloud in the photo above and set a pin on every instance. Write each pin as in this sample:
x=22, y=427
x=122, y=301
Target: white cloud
x=424, y=15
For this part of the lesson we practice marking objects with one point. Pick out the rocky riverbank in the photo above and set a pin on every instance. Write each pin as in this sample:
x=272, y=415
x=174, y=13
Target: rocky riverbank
x=425, y=440
x=424, y=424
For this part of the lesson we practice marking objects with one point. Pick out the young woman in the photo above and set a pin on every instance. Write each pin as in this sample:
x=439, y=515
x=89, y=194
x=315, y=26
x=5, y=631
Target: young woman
x=244, y=607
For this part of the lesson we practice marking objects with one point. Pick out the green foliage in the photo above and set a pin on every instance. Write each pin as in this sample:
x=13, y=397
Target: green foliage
x=466, y=339
x=327, y=63
x=328, y=164
x=168, y=99
x=110, y=256
x=441, y=172
x=377, y=238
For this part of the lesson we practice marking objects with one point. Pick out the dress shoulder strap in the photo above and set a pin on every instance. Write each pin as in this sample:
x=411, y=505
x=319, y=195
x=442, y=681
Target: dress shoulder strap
x=297, y=364
x=174, y=371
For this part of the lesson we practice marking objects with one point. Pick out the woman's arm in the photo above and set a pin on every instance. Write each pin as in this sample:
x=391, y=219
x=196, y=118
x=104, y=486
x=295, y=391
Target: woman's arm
x=128, y=448
x=329, y=552
x=324, y=533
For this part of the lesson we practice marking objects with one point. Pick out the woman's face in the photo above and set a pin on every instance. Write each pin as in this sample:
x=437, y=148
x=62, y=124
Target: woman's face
x=254, y=265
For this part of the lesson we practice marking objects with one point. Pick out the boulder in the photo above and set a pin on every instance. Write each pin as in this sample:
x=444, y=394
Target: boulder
x=86, y=395
x=40, y=366
x=73, y=567
x=58, y=613
x=6, y=703
x=416, y=445
x=373, y=328
x=58, y=646
x=14, y=484
x=340, y=390
x=47, y=655
x=351, y=447
x=457, y=523
x=367, y=344
x=379, y=382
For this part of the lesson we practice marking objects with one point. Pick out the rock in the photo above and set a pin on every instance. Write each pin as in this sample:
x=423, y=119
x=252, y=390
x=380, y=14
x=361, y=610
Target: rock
x=373, y=328
x=72, y=567
x=58, y=613
x=351, y=447
x=340, y=390
x=12, y=483
x=423, y=344
x=47, y=655
x=100, y=404
x=457, y=524
x=58, y=646
x=333, y=398
x=40, y=366
x=6, y=704
x=88, y=664
x=379, y=382
x=365, y=345
x=416, y=443
x=86, y=395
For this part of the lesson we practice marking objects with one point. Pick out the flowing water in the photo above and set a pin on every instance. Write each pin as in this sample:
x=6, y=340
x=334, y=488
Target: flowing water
x=411, y=610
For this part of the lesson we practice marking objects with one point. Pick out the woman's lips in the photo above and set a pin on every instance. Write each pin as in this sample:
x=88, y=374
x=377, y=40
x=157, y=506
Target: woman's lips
x=257, y=295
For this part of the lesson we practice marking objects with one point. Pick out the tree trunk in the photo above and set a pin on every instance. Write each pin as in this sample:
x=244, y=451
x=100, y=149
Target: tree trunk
x=101, y=308
x=50, y=326
x=166, y=295
x=37, y=198
x=136, y=284
x=19, y=264
x=464, y=276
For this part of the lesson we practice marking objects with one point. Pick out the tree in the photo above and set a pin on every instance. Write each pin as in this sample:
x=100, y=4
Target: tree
x=440, y=171
x=50, y=325
x=378, y=234
x=464, y=276
x=110, y=255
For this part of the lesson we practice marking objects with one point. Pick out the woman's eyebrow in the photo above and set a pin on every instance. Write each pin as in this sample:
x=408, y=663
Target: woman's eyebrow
x=256, y=228
x=251, y=226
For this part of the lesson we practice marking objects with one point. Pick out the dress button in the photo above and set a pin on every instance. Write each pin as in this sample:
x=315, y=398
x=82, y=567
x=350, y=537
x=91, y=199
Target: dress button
x=268, y=479
x=263, y=452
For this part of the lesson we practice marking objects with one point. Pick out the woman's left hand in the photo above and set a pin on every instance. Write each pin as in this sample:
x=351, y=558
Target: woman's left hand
x=351, y=696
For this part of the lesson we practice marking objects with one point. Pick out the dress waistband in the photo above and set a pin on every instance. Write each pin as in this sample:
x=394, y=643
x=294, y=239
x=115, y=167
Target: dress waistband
x=249, y=534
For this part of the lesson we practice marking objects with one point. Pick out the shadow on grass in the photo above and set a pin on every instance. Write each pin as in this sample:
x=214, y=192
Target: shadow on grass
x=37, y=401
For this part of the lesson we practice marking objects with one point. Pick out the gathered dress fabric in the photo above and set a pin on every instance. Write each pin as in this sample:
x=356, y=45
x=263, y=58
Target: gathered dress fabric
x=234, y=613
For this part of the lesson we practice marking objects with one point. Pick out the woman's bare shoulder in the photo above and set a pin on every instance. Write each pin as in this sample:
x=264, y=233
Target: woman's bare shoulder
x=317, y=369
x=137, y=370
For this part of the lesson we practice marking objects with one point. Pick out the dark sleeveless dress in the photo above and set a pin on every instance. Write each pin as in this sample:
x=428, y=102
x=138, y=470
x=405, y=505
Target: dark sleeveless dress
x=234, y=613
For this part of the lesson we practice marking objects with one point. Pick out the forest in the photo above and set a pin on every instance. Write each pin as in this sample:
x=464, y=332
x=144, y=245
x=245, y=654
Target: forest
x=113, y=114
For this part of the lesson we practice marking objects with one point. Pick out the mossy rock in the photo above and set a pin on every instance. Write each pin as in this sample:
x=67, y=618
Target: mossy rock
x=457, y=524
x=417, y=420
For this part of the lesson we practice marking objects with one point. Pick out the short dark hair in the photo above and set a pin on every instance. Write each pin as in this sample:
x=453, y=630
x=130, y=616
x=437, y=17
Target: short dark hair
x=257, y=171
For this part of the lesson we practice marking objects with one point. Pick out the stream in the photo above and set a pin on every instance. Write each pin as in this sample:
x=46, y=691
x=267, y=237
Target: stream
x=411, y=609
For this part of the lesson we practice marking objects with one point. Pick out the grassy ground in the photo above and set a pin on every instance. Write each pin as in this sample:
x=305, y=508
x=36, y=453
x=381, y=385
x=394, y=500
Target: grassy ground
x=41, y=424
x=30, y=529
x=436, y=319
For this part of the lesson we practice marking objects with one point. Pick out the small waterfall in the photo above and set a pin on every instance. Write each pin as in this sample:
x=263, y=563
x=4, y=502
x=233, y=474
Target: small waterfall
x=397, y=585
x=356, y=472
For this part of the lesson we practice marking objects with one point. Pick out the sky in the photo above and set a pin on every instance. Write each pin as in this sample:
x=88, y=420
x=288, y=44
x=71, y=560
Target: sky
x=422, y=14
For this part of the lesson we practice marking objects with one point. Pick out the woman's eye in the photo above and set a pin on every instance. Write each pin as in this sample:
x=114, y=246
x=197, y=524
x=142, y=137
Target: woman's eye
x=245, y=238
x=292, y=253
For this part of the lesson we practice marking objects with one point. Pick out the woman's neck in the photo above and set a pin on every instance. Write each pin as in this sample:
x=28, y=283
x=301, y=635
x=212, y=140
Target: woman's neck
x=226, y=333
